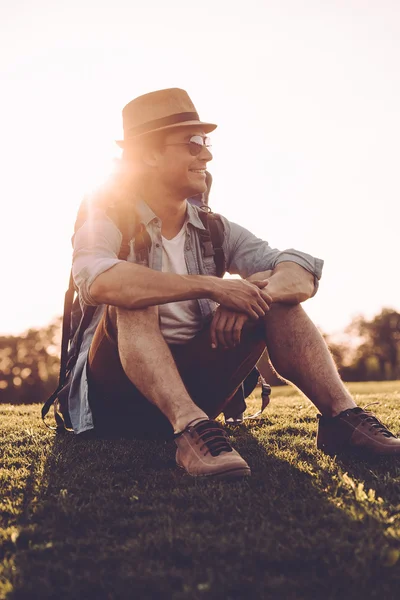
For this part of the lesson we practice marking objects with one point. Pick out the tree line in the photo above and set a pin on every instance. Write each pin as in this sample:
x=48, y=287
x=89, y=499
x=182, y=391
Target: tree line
x=29, y=363
x=372, y=349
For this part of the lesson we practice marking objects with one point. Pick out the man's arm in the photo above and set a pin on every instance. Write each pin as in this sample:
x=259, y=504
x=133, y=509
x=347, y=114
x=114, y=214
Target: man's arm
x=104, y=279
x=247, y=255
x=288, y=283
x=292, y=277
x=133, y=286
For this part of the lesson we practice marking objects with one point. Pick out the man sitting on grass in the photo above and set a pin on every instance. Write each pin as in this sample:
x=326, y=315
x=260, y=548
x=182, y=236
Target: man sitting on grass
x=170, y=343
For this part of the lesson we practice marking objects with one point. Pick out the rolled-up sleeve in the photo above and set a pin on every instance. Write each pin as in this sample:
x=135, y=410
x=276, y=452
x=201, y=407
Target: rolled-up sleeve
x=247, y=254
x=96, y=247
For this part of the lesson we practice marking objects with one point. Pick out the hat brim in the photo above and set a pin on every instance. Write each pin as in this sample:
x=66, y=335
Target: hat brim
x=207, y=128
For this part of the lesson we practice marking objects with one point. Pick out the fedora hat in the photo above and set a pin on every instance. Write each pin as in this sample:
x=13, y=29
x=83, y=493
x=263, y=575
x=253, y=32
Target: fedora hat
x=159, y=111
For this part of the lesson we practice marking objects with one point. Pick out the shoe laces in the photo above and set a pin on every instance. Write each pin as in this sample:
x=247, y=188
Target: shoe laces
x=213, y=437
x=374, y=423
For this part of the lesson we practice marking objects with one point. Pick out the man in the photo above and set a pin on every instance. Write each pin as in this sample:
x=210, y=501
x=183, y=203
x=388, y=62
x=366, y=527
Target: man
x=166, y=327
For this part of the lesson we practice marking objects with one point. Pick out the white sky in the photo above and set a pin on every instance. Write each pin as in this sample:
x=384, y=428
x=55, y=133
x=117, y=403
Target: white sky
x=306, y=155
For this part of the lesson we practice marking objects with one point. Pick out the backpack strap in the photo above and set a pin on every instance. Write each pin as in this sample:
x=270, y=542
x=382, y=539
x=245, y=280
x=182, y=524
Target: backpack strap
x=66, y=331
x=212, y=238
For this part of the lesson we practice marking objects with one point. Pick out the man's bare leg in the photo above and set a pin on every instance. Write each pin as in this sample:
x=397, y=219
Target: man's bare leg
x=299, y=354
x=148, y=362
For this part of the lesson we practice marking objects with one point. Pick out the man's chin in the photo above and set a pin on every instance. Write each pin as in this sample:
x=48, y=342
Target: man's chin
x=191, y=191
x=199, y=187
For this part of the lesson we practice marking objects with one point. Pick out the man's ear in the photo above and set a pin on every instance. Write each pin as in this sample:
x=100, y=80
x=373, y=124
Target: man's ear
x=151, y=157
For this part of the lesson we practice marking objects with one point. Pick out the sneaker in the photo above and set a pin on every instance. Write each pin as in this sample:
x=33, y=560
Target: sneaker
x=205, y=451
x=356, y=431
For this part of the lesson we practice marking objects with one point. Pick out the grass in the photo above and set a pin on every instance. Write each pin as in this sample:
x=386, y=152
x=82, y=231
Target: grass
x=117, y=520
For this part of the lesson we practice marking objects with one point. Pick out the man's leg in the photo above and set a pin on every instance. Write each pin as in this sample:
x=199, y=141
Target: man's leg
x=299, y=354
x=148, y=363
x=130, y=361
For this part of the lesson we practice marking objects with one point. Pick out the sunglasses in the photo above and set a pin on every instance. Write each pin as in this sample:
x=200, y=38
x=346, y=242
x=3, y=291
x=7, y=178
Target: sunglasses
x=196, y=144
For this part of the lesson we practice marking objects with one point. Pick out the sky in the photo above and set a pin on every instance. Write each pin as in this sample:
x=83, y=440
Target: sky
x=306, y=155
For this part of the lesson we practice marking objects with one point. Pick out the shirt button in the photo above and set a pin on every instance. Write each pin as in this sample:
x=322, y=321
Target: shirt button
x=157, y=245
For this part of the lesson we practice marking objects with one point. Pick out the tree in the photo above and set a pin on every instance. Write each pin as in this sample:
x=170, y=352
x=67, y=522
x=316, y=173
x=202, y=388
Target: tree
x=378, y=355
x=29, y=365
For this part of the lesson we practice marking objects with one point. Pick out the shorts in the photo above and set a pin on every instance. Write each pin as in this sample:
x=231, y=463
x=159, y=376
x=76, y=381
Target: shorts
x=211, y=377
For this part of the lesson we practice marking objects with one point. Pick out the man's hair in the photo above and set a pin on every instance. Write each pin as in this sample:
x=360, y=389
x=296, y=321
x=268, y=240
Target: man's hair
x=135, y=148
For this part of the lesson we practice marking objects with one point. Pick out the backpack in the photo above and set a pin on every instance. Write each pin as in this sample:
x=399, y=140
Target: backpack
x=76, y=321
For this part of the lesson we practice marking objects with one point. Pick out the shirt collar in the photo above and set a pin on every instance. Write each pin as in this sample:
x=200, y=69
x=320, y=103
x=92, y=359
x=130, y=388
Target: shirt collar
x=146, y=215
x=192, y=216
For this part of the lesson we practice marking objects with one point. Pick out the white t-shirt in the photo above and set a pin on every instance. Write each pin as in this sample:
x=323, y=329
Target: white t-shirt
x=179, y=321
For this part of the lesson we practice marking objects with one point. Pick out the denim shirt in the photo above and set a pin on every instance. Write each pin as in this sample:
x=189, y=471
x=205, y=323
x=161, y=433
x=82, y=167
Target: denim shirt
x=96, y=247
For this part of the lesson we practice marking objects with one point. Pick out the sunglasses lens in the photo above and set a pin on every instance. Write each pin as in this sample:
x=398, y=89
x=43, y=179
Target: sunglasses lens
x=195, y=148
x=196, y=144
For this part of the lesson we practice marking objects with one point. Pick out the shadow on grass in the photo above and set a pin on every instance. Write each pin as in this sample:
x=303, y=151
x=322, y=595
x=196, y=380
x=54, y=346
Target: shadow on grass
x=381, y=474
x=117, y=520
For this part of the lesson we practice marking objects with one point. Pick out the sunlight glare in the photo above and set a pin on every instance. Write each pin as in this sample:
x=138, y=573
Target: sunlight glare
x=96, y=169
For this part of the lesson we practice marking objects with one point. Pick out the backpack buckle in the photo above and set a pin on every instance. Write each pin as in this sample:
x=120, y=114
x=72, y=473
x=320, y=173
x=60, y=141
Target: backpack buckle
x=208, y=249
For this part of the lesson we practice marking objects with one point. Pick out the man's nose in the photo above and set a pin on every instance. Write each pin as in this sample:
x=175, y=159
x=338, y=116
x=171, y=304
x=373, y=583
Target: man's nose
x=205, y=154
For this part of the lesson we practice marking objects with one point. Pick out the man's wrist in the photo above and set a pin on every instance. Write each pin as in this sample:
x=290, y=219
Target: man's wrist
x=260, y=276
x=288, y=291
x=201, y=286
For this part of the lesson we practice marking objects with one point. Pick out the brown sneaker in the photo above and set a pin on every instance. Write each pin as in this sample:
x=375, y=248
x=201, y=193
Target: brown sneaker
x=356, y=431
x=205, y=451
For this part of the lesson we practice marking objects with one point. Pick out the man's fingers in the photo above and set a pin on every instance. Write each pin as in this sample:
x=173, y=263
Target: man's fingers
x=253, y=314
x=261, y=284
x=213, y=332
x=237, y=330
x=226, y=328
x=261, y=307
x=245, y=297
x=229, y=330
x=267, y=298
x=220, y=329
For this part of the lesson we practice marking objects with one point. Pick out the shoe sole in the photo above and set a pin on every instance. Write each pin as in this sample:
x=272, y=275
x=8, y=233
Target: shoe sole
x=234, y=474
x=231, y=474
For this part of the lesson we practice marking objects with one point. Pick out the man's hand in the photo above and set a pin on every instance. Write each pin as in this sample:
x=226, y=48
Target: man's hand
x=226, y=327
x=227, y=324
x=242, y=296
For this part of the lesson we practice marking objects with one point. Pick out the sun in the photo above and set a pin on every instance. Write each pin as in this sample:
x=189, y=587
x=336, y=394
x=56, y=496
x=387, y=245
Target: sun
x=97, y=168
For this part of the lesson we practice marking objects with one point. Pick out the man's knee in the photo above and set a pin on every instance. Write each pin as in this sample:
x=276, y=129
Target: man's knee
x=280, y=311
x=128, y=318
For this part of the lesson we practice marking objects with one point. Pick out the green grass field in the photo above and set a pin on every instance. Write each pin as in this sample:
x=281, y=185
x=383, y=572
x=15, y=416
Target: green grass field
x=117, y=520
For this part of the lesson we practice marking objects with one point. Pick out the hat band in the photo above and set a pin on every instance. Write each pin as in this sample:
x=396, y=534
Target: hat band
x=164, y=122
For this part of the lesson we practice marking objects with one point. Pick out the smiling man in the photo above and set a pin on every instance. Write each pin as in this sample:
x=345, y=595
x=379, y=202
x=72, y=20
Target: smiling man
x=170, y=343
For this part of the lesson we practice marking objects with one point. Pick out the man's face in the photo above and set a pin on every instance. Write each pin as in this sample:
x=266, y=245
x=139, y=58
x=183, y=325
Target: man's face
x=178, y=170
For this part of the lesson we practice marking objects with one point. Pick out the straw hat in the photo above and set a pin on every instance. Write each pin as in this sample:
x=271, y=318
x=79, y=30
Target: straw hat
x=158, y=111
